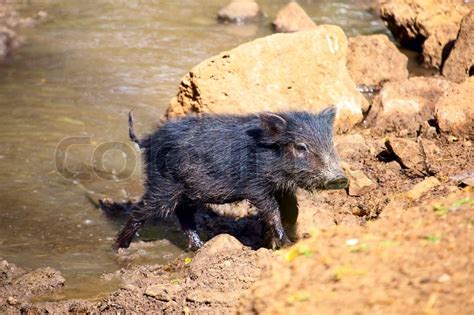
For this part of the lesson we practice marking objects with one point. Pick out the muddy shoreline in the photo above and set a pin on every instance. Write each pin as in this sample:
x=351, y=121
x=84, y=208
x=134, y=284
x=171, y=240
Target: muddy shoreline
x=399, y=239
x=218, y=277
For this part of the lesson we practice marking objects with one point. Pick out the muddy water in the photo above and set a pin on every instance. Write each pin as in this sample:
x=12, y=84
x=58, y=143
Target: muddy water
x=64, y=97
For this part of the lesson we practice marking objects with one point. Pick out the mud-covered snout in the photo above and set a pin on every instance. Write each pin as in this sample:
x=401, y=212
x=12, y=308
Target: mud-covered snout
x=338, y=182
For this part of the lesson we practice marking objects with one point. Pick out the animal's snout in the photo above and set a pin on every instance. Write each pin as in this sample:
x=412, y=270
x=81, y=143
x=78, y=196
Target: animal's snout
x=338, y=182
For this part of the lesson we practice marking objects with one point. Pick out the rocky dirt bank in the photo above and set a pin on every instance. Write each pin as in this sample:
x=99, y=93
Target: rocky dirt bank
x=416, y=257
x=399, y=239
x=431, y=27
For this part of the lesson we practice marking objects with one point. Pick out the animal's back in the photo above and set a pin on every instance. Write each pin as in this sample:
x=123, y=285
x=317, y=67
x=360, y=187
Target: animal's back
x=203, y=154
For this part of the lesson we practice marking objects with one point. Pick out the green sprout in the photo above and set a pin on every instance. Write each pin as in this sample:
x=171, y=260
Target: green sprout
x=457, y=204
x=440, y=210
x=299, y=297
x=359, y=248
x=433, y=238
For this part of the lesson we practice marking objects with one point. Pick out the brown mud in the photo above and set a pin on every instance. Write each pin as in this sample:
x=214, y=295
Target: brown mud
x=400, y=243
x=398, y=240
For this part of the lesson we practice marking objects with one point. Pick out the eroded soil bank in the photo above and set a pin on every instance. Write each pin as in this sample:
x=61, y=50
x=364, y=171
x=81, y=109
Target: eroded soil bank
x=398, y=240
x=403, y=246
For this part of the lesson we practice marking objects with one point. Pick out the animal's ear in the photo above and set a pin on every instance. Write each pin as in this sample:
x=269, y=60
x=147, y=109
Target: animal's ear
x=272, y=124
x=329, y=114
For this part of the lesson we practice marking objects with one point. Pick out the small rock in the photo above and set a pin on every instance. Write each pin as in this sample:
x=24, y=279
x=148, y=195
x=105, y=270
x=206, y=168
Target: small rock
x=444, y=278
x=42, y=14
x=351, y=146
x=407, y=105
x=209, y=296
x=460, y=63
x=240, y=11
x=422, y=187
x=417, y=157
x=163, y=292
x=352, y=242
x=40, y=281
x=359, y=183
x=373, y=60
x=12, y=301
x=216, y=245
x=408, y=153
x=465, y=178
x=7, y=41
x=468, y=181
x=292, y=18
x=393, y=166
x=311, y=217
x=455, y=110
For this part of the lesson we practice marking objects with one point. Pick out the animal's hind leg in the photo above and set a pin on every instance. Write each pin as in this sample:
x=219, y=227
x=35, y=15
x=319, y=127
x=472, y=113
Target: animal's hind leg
x=136, y=221
x=186, y=212
x=153, y=205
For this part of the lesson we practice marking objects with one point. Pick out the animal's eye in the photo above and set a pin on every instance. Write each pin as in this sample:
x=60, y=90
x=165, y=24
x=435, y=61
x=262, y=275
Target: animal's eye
x=301, y=147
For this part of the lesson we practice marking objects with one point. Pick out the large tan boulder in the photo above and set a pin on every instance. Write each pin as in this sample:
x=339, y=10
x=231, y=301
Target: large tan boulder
x=429, y=26
x=292, y=18
x=455, y=110
x=240, y=11
x=373, y=60
x=282, y=72
x=404, y=107
x=460, y=63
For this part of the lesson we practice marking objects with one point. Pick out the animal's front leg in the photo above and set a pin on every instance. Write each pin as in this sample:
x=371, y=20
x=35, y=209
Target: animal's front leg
x=186, y=212
x=275, y=236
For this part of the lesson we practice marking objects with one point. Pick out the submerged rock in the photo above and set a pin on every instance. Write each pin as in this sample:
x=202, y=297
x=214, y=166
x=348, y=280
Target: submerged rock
x=240, y=11
x=7, y=41
x=373, y=60
x=292, y=18
x=39, y=281
x=460, y=63
x=455, y=110
x=428, y=26
x=281, y=72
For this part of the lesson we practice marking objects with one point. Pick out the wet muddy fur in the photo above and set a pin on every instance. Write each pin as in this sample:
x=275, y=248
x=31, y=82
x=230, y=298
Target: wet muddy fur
x=216, y=159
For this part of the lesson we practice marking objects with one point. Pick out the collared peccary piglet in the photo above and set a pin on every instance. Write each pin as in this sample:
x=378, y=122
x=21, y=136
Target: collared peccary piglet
x=217, y=159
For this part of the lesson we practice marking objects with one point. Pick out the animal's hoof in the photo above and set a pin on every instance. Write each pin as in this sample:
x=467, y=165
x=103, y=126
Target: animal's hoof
x=194, y=241
x=195, y=245
x=278, y=243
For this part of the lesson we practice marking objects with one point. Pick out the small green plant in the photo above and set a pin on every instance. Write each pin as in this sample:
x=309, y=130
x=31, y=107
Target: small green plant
x=433, y=238
x=175, y=281
x=299, y=297
x=440, y=210
x=457, y=204
x=298, y=250
x=359, y=248
x=347, y=270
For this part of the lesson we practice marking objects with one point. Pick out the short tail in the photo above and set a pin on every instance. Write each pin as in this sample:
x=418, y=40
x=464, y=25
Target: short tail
x=131, y=132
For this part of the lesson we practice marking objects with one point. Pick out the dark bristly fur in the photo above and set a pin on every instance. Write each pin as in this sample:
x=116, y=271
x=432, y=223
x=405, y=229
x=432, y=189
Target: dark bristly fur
x=217, y=159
